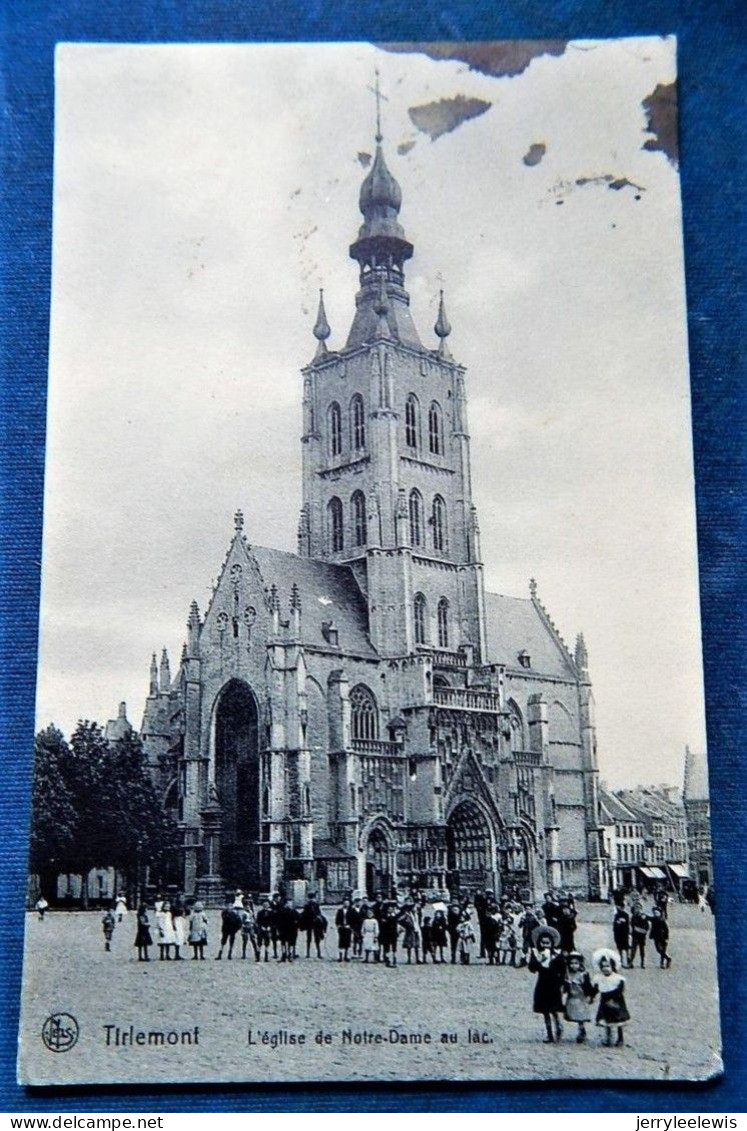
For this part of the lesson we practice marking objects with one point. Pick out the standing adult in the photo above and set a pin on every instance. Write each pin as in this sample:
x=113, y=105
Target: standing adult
x=344, y=931
x=120, y=907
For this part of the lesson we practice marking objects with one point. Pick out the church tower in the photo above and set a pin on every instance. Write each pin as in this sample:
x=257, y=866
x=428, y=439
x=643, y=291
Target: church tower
x=386, y=461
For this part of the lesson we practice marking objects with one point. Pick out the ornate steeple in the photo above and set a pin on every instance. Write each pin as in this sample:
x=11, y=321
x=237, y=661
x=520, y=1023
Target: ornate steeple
x=381, y=249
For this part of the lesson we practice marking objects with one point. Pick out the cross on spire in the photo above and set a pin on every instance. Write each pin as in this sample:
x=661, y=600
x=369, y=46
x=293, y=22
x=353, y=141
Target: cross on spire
x=376, y=91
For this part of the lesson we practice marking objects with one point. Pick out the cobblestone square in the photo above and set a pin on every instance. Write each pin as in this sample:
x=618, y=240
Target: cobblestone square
x=321, y=1020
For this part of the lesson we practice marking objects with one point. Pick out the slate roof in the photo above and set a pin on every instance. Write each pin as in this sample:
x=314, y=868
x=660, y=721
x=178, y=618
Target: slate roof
x=615, y=809
x=651, y=803
x=328, y=592
x=514, y=624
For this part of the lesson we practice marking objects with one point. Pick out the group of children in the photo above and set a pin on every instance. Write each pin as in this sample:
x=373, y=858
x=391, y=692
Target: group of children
x=630, y=931
x=565, y=991
x=376, y=930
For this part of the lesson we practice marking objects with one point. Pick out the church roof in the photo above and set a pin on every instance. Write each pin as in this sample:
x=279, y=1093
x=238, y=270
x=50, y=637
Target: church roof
x=328, y=592
x=514, y=625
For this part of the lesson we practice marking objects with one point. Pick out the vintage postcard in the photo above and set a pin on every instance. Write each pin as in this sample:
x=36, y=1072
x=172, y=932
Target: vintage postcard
x=370, y=729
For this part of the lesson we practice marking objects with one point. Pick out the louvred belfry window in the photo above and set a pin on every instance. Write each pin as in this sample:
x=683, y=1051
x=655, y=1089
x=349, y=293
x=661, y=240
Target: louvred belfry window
x=439, y=523
x=443, y=623
x=358, y=507
x=334, y=426
x=420, y=612
x=416, y=518
x=357, y=424
x=412, y=421
x=435, y=430
x=364, y=714
x=334, y=520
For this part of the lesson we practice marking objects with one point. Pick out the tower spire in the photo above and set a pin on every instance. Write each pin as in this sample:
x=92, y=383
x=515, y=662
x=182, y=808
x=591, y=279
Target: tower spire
x=321, y=329
x=442, y=329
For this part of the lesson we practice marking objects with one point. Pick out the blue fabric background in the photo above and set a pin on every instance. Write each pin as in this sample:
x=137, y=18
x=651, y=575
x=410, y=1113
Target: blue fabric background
x=712, y=64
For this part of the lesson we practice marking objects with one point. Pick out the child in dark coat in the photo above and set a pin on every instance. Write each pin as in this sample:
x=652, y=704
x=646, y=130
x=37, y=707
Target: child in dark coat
x=660, y=937
x=548, y=964
x=439, y=934
x=426, y=939
x=621, y=933
x=639, y=925
x=108, y=923
x=143, y=937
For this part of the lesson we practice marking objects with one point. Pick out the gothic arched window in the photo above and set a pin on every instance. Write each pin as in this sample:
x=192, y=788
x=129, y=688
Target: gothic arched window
x=334, y=524
x=358, y=508
x=416, y=518
x=443, y=623
x=435, y=429
x=334, y=429
x=439, y=524
x=420, y=614
x=516, y=723
x=364, y=714
x=357, y=424
x=412, y=421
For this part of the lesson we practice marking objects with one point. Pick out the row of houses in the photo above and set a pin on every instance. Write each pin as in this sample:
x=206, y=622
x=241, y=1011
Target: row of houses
x=660, y=835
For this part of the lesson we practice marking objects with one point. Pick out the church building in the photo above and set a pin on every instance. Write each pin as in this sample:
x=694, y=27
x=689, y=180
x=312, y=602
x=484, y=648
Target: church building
x=363, y=715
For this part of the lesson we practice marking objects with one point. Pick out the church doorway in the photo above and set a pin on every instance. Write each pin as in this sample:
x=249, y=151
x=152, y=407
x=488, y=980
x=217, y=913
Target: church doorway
x=378, y=865
x=238, y=785
x=469, y=851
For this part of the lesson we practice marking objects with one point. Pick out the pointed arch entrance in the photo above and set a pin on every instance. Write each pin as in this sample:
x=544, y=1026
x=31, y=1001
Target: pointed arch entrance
x=379, y=875
x=470, y=850
x=237, y=780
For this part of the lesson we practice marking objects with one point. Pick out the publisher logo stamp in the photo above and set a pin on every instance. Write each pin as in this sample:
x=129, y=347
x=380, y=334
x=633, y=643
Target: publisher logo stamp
x=60, y=1032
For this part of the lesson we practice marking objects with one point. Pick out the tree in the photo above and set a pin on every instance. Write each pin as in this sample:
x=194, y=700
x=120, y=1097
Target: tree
x=94, y=806
x=145, y=835
x=54, y=815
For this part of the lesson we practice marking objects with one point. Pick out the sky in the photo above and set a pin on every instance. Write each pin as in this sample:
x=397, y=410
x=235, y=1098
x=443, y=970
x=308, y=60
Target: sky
x=203, y=194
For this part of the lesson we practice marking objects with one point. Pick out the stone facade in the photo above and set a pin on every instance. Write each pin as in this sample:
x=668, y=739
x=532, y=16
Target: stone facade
x=362, y=714
x=696, y=799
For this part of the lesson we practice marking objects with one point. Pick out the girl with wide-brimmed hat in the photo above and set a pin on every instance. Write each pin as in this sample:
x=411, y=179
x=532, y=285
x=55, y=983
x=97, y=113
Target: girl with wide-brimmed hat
x=610, y=984
x=548, y=964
